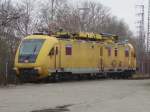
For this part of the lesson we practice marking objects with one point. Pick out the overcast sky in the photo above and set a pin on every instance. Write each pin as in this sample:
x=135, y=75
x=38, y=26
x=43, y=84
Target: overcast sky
x=123, y=9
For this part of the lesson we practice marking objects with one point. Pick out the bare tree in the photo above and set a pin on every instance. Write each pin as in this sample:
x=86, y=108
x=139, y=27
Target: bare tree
x=8, y=19
x=48, y=14
x=27, y=21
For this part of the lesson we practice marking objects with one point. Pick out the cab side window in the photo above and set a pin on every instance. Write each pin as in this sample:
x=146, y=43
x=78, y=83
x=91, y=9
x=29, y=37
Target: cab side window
x=68, y=50
x=133, y=54
x=51, y=52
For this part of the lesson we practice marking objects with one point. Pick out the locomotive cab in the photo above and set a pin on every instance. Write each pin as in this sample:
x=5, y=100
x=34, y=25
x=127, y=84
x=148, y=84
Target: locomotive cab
x=32, y=57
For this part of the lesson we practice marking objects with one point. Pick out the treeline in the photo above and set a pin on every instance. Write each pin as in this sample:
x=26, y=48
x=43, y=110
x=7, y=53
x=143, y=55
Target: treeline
x=18, y=19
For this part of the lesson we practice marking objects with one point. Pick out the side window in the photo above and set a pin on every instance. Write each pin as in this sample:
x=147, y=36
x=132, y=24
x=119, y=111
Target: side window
x=69, y=50
x=133, y=54
x=51, y=52
x=109, y=51
x=116, y=52
x=126, y=52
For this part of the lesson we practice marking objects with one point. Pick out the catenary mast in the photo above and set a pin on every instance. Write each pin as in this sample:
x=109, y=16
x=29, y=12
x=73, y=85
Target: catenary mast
x=148, y=30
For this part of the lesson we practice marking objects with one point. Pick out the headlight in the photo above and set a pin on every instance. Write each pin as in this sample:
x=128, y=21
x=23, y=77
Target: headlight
x=38, y=69
x=16, y=70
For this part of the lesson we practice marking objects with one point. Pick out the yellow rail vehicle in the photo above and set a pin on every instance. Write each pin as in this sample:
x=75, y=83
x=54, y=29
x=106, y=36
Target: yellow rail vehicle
x=65, y=56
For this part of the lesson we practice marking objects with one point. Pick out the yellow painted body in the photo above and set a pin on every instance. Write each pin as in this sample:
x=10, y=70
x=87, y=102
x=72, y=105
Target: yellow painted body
x=86, y=57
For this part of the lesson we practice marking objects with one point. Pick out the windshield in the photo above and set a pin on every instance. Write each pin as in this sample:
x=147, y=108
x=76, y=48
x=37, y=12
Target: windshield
x=31, y=46
x=29, y=50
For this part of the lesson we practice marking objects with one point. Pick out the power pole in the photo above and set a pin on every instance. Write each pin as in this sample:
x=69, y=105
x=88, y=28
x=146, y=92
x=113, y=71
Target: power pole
x=148, y=42
x=52, y=3
x=140, y=26
x=140, y=36
x=148, y=29
x=84, y=10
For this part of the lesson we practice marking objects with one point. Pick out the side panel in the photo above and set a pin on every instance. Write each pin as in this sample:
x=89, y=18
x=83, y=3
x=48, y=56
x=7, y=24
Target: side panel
x=92, y=57
x=108, y=57
x=121, y=56
x=84, y=58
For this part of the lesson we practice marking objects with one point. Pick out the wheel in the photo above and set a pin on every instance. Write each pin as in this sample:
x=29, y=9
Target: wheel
x=57, y=77
x=52, y=78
